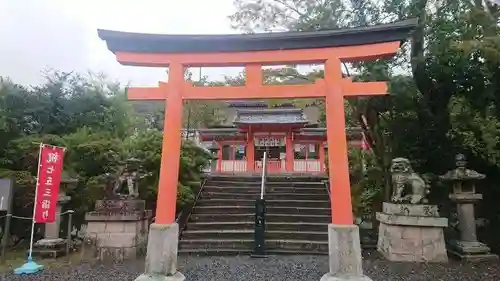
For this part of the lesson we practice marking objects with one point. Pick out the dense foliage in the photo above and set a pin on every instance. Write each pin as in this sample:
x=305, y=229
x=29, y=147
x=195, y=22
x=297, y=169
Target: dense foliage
x=89, y=115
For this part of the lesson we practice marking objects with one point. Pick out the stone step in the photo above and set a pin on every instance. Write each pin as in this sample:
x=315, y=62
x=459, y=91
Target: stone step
x=270, y=184
x=251, y=216
x=240, y=244
x=269, y=196
x=247, y=245
x=270, y=210
x=215, y=252
x=211, y=225
x=222, y=222
x=249, y=234
x=270, y=203
x=269, y=190
x=297, y=226
x=271, y=226
x=246, y=252
x=313, y=252
x=222, y=211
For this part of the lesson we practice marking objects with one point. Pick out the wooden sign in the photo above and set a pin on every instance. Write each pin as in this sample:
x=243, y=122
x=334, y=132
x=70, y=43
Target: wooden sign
x=270, y=141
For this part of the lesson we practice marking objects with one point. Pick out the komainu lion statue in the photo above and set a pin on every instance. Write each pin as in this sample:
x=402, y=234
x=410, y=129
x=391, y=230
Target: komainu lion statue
x=407, y=185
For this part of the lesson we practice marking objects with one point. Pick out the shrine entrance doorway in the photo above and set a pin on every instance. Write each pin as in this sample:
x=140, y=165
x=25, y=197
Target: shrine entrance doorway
x=275, y=158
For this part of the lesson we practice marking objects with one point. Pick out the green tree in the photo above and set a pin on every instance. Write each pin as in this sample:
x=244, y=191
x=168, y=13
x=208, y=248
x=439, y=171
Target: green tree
x=449, y=104
x=146, y=145
x=90, y=116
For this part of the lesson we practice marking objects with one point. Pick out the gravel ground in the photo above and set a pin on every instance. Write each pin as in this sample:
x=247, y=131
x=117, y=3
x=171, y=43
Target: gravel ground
x=275, y=268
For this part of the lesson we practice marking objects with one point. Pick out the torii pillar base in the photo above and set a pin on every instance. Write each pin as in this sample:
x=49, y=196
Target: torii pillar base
x=344, y=254
x=161, y=258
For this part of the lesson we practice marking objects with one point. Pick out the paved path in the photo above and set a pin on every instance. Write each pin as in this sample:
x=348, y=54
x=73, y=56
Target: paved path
x=274, y=268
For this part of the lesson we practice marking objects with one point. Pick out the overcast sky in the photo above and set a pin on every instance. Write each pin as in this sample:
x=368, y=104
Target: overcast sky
x=62, y=34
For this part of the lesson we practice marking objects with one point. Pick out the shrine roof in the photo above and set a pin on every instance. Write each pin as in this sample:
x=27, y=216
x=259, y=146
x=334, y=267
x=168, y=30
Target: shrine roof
x=220, y=132
x=353, y=133
x=118, y=41
x=313, y=131
x=270, y=116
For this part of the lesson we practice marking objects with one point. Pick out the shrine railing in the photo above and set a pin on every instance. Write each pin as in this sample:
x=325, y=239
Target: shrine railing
x=273, y=166
x=235, y=166
x=307, y=165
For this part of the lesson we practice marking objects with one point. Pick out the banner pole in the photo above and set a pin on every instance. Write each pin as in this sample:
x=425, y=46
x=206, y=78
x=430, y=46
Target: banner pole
x=35, y=203
x=31, y=266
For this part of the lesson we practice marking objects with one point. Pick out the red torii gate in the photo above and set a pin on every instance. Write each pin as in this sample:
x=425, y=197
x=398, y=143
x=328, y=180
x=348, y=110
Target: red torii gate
x=331, y=47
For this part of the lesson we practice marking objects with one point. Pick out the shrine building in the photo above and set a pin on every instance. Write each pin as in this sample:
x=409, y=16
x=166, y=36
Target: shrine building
x=292, y=137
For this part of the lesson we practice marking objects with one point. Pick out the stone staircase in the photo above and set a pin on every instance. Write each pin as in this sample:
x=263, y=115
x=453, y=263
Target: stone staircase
x=222, y=222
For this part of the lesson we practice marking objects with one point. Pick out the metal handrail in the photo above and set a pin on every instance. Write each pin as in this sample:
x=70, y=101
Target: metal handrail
x=186, y=212
x=263, y=180
x=326, y=184
x=260, y=216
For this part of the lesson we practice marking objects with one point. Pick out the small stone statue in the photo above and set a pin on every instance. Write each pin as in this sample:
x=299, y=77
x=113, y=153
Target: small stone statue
x=403, y=178
x=127, y=175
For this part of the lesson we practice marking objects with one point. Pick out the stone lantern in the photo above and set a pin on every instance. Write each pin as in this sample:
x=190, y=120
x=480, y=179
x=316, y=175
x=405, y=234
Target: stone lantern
x=213, y=148
x=463, y=182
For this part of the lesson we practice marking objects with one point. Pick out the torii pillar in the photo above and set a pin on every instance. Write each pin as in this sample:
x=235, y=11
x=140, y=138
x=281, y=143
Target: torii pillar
x=331, y=47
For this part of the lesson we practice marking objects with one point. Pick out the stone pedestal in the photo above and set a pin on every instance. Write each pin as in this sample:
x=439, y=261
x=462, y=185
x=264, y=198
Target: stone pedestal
x=468, y=247
x=411, y=233
x=344, y=254
x=51, y=244
x=161, y=258
x=118, y=229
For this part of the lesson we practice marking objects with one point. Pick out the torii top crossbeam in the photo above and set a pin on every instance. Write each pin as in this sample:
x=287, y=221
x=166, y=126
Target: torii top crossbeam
x=330, y=47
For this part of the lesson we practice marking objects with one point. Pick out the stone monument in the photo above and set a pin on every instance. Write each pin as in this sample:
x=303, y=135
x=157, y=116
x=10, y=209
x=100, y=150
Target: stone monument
x=464, y=195
x=410, y=229
x=52, y=244
x=119, y=224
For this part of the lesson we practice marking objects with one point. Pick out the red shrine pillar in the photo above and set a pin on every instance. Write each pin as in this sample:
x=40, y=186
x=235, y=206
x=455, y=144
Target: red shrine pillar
x=171, y=148
x=343, y=235
x=338, y=165
x=250, y=151
x=289, y=152
x=163, y=234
